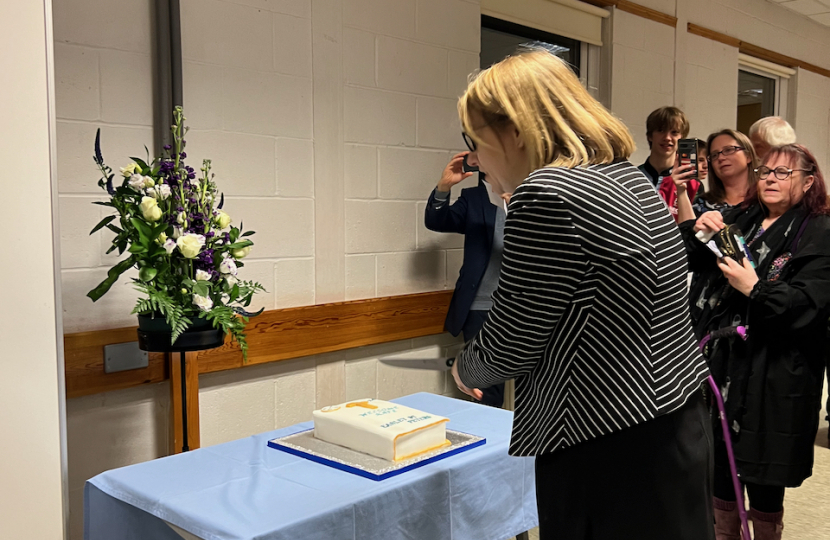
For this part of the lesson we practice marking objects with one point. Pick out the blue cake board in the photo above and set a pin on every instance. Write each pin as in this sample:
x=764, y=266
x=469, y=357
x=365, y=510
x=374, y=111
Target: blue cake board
x=368, y=474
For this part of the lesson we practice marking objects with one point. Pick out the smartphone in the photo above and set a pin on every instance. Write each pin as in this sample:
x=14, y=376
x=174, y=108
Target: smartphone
x=466, y=167
x=687, y=150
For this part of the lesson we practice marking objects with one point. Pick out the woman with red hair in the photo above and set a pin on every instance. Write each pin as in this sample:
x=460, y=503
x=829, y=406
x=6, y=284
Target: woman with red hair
x=764, y=331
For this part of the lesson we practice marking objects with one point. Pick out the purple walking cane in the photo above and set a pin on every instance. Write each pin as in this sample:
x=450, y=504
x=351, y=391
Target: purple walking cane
x=727, y=439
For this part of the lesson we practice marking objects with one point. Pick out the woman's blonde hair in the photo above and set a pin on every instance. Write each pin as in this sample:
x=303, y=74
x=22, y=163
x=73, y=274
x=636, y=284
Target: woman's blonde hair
x=558, y=120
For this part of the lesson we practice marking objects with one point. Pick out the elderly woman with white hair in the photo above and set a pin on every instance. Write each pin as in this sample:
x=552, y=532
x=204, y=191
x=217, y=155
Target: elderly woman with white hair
x=769, y=132
x=590, y=316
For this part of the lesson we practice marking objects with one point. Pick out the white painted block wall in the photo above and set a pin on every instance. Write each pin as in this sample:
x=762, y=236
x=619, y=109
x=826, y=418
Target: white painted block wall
x=711, y=92
x=812, y=116
x=642, y=73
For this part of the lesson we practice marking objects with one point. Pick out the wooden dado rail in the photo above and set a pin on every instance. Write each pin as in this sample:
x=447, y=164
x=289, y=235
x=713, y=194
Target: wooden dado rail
x=272, y=336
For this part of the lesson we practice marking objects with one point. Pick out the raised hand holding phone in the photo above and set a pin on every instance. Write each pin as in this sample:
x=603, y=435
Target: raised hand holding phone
x=453, y=173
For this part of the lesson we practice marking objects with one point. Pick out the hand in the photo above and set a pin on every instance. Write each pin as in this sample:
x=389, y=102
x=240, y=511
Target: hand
x=475, y=392
x=453, y=173
x=681, y=175
x=742, y=278
x=506, y=197
x=709, y=222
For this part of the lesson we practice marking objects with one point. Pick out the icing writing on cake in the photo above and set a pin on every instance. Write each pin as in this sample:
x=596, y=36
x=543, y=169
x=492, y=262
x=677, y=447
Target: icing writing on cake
x=412, y=419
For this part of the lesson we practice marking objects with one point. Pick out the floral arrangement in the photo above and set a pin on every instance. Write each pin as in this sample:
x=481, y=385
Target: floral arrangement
x=170, y=221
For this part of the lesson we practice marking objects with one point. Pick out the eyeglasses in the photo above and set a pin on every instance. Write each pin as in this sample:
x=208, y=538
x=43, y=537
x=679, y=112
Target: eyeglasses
x=471, y=144
x=781, y=173
x=726, y=151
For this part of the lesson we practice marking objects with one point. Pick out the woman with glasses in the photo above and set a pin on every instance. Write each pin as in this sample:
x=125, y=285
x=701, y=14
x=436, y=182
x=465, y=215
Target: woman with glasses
x=590, y=315
x=732, y=161
x=763, y=326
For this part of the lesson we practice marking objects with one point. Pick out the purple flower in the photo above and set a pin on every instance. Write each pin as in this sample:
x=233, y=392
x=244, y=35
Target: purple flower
x=167, y=147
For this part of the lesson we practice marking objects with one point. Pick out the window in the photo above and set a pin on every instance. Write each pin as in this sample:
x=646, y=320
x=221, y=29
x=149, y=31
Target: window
x=762, y=91
x=501, y=38
x=756, y=98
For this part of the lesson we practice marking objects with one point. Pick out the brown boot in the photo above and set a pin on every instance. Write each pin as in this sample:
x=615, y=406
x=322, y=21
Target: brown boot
x=727, y=521
x=767, y=526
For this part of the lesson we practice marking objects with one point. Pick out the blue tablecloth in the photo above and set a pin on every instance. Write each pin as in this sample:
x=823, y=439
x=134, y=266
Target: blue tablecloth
x=246, y=490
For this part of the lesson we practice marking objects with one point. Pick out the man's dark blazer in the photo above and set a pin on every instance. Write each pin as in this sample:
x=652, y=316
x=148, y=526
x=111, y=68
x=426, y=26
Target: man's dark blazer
x=474, y=216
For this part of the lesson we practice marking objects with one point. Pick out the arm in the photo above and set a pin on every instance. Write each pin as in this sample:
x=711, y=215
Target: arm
x=440, y=215
x=543, y=265
x=699, y=256
x=682, y=176
x=685, y=212
x=795, y=304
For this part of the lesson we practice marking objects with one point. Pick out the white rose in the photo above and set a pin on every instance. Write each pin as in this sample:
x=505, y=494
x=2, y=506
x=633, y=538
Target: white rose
x=177, y=232
x=130, y=169
x=160, y=192
x=231, y=279
x=136, y=182
x=169, y=246
x=150, y=209
x=202, y=302
x=222, y=220
x=201, y=275
x=241, y=253
x=228, y=266
x=149, y=182
x=190, y=244
x=181, y=218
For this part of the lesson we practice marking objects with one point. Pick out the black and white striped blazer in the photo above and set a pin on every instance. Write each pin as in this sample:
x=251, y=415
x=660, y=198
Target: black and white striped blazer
x=591, y=315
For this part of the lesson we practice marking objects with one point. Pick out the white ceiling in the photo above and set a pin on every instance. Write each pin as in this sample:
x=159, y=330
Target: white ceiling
x=818, y=10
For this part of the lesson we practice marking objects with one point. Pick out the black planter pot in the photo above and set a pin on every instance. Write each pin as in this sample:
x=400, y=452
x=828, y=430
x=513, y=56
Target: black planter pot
x=154, y=335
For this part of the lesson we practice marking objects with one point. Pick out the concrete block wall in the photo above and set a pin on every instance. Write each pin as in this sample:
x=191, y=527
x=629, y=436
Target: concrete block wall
x=404, y=65
x=812, y=116
x=103, y=78
x=248, y=100
x=711, y=91
x=642, y=73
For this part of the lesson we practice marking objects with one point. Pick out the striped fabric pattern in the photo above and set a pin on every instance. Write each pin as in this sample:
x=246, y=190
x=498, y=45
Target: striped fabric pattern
x=591, y=315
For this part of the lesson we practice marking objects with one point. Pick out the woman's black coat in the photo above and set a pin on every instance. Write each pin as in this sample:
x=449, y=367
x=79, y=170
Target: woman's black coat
x=783, y=357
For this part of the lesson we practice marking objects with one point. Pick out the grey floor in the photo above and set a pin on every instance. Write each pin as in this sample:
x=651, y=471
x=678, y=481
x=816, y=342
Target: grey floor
x=806, y=508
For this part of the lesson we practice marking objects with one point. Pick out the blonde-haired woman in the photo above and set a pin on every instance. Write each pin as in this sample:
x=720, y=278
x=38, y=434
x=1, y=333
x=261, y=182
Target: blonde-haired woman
x=590, y=315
